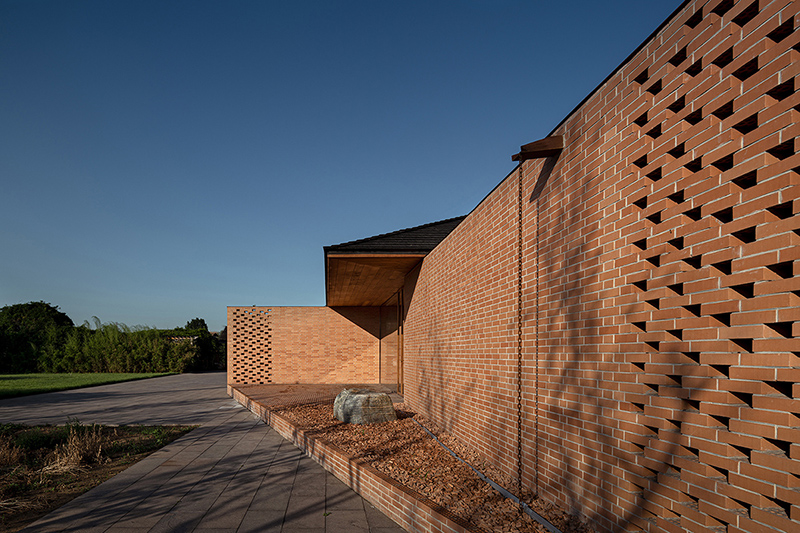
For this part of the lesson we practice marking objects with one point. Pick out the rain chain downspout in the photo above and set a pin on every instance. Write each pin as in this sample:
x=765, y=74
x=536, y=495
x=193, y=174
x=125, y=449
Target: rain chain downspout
x=519, y=333
x=549, y=147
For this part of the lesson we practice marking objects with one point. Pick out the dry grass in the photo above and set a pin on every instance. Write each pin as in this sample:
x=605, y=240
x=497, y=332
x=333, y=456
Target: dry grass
x=43, y=467
x=84, y=446
x=10, y=454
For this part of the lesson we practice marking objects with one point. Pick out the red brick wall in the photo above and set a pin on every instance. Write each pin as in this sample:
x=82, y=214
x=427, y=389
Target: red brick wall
x=659, y=296
x=304, y=345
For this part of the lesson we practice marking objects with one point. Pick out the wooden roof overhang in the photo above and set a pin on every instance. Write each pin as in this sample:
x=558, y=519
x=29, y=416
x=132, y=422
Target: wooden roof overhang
x=366, y=279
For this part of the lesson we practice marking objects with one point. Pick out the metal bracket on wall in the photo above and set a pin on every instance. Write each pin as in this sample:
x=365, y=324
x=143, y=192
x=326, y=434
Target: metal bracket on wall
x=546, y=147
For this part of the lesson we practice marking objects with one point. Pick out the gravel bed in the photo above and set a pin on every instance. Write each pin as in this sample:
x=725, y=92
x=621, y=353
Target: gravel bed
x=406, y=453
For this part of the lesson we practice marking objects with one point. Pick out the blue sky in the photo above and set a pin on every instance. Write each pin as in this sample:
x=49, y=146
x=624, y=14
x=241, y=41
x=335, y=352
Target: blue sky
x=161, y=160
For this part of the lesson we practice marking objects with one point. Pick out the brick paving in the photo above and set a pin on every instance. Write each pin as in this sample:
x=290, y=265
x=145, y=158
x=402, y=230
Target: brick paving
x=232, y=474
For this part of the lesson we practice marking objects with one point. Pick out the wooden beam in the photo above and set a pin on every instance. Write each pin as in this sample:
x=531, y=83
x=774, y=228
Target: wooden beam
x=542, y=148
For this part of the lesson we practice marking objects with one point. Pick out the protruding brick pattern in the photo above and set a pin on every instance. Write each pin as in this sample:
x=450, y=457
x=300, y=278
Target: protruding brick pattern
x=249, y=345
x=304, y=345
x=660, y=301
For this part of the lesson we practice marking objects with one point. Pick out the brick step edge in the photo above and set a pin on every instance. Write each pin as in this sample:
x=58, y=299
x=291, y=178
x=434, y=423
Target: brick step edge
x=410, y=510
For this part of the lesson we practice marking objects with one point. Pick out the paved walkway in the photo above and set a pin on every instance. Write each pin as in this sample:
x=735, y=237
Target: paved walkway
x=232, y=474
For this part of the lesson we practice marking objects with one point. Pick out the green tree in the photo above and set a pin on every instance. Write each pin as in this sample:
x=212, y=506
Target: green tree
x=196, y=324
x=31, y=336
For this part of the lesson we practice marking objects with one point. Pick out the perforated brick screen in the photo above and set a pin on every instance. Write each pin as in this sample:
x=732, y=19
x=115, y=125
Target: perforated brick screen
x=660, y=302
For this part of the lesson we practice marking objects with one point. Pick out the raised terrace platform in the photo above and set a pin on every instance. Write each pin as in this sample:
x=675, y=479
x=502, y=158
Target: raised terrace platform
x=407, y=508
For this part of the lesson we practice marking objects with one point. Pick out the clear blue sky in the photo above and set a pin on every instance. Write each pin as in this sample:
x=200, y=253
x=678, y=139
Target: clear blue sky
x=161, y=160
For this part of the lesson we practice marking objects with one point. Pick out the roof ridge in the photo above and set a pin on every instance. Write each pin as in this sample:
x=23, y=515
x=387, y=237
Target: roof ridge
x=396, y=232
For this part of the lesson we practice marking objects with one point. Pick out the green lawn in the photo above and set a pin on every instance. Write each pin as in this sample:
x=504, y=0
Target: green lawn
x=12, y=385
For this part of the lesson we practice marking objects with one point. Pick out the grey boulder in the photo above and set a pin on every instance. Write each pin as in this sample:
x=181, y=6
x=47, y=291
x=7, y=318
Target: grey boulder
x=362, y=406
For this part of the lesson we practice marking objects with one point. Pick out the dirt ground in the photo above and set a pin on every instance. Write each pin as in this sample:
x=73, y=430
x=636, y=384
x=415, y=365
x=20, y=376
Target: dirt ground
x=405, y=452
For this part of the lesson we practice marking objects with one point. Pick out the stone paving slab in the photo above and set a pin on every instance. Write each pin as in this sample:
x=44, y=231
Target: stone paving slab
x=233, y=473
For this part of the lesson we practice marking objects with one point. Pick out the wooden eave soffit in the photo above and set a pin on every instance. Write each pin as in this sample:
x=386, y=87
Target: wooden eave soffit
x=546, y=147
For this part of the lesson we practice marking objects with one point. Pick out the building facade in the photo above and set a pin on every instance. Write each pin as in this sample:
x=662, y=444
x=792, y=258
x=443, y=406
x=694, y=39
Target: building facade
x=615, y=323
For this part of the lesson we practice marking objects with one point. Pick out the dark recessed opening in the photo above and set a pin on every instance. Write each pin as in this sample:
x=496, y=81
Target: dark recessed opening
x=724, y=215
x=677, y=288
x=641, y=244
x=746, y=235
x=641, y=203
x=747, y=125
x=694, y=262
x=655, y=88
x=783, y=150
x=694, y=117
x=638, y=364
x=640, y=325
x=695, y=68
x=724, y=59
x=695, y=19
x=784, y=329
x=724, y=111
x=654, y=132
x=746, y=70
x=785, y=270
x=678, y=151
x=784, y=506
x=641, y=120
x=746, y=15
x=747, y=346
x=743, y=451
x=693, y=308
x=746, y=181
x=782, y=91
x=783, y=387
x=695, y=214
x=744, y=397
x=693, y=404
x=641, y=285
x=677, y=105
x=723, y=318
x=722, y=420
x=724, y=266
x=722, y=369
x=655, y=260
x=693, y=356
x=655, y=175
x=679, y=57
x=654, y=344
x=678, y=334
x=783, y=31
x=641, y=79
x=655, y=218
x=676, y=197
x=742, y=505
x=653, y=303
x=723, y=164
x=677, y=242
x=745, y=289
x=641, y=162
x=783, y=211
x=723, y=7
x=638, y=406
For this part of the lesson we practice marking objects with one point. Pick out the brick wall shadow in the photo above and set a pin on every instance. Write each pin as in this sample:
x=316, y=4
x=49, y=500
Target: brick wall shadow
x=367, y=318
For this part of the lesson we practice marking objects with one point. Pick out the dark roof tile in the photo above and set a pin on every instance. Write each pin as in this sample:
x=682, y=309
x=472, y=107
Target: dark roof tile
x=420, y=239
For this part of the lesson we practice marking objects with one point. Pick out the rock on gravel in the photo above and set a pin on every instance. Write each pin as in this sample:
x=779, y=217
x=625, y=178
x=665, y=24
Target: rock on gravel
x=362, y=406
